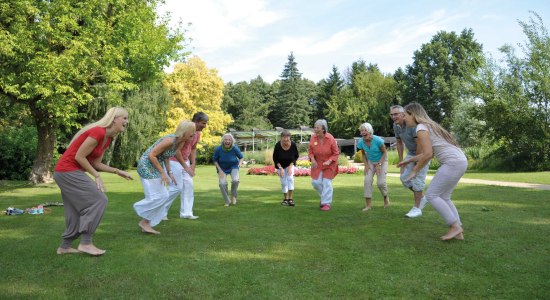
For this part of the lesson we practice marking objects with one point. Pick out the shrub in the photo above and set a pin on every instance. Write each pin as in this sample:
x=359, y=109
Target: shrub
x=268, y=157
x=343, y=160
x=18, y=150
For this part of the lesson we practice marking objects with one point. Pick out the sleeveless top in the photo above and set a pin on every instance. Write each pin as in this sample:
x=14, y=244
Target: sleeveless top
x=145, y=168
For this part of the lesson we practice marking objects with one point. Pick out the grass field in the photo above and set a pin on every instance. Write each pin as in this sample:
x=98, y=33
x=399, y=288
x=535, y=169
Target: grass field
x=259, y=249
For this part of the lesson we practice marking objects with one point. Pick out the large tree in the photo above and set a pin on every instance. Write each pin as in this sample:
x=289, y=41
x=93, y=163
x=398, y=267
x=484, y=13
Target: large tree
x=248, y=104
x=328, y=88
x=365, y=98
x=515, y=101
x=291, y=107
x=57, y=56
x=442, y=72
x=194, y=87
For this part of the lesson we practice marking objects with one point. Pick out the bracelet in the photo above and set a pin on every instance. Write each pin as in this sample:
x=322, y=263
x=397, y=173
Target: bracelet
x=170, y=172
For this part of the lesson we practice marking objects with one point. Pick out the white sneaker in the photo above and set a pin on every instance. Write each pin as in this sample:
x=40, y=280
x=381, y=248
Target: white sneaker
x=414, y=212
x=165, y=218
x=423, y=202
x=190, y=217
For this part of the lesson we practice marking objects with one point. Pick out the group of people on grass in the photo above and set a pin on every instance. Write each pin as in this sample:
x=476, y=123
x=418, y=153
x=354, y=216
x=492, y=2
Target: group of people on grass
x=167, y=167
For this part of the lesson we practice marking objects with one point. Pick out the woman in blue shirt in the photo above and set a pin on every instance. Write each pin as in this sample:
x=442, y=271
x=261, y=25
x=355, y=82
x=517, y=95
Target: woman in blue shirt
x=375, y=158
x=228, y=158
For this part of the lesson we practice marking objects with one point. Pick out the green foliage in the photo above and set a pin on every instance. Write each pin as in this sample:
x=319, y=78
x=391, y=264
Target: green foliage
x=58, y=56
x=365, y=98
x=18, y=149
x=516, y=102
x=147, y=116
x=328, y=88
x=258, y=156
x=466, y=127
x=291, y=108
x=343, y=160
x=248, y=104
x=442, y=73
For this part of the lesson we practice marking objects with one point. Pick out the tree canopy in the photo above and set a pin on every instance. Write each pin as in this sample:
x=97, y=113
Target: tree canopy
x=194, y=87
x=57, y=56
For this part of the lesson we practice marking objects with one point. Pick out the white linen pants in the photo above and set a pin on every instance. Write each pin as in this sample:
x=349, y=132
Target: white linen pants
x=323, y=186
x=287, y=180
x=156, y=196
x=184, y=188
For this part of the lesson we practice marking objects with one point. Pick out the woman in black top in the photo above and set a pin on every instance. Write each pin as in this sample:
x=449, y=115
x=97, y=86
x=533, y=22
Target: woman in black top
x=285, y=155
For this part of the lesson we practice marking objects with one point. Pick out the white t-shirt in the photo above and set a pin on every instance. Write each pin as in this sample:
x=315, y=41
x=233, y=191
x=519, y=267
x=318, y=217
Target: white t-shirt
x=445, y=152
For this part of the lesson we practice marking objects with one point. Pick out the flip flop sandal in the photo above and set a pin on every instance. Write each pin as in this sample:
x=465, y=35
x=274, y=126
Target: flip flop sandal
x=291, y=202
x=285, y=202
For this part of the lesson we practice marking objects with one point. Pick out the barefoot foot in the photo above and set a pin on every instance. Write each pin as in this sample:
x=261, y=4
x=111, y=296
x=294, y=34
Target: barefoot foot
x=145, y=227
x=91, y=250
x=459, y=236
x=453, y=232
x=66, y=250
x=386, y=202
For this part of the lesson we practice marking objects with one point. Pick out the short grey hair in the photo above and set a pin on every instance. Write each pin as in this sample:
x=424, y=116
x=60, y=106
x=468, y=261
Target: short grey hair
x=367, y=126
x=323, y=123
x=398, y=107
x=285, y=133
x=230, y=135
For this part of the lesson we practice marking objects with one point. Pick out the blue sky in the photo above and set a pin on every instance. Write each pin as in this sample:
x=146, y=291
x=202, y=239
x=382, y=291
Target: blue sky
x=246, y=38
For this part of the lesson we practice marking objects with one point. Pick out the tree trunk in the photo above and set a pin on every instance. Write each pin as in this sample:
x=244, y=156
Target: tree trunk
x=40, y=172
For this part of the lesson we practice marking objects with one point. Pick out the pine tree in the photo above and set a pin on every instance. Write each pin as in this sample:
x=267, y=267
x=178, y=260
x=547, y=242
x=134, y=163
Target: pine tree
x=291, y=107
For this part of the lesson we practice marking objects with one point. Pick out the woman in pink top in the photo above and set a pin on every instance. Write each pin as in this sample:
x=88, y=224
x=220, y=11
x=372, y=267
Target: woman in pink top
x=323, y=154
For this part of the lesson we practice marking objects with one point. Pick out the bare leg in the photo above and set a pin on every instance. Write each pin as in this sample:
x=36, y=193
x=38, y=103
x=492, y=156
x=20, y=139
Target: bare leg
x=369, y=204
x=386, y=201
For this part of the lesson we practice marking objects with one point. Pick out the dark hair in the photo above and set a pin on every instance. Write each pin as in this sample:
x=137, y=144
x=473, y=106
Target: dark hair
x=200, y=116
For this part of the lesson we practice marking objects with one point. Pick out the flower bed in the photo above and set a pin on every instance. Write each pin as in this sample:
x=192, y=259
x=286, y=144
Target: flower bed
x=298, y=171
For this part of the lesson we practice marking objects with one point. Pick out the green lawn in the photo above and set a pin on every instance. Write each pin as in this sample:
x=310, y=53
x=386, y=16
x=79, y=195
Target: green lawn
x=528, y=177
x=262, y=250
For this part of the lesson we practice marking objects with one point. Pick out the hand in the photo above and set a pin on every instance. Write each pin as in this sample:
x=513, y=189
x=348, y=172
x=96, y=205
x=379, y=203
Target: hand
x=281, y=171
x=326, y=163
x=221, y=175
x=401, y=164
x=191, y=172
x=313, y=164
x=164, y=179
x=173, y=179
x=99, y=184
x=377, y=169
x=290, y=170
x=124, y=175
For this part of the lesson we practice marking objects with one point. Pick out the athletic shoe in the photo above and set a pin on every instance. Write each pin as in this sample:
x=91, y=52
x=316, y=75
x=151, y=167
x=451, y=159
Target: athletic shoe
x=414, y=213
x=190, y=217
x=325, y=207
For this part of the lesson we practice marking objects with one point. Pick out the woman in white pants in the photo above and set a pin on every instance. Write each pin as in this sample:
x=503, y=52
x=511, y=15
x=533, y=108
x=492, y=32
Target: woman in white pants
x=434, y=140
x=154, y=172
x=285, y=155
